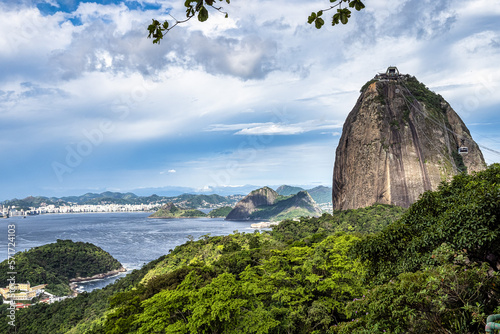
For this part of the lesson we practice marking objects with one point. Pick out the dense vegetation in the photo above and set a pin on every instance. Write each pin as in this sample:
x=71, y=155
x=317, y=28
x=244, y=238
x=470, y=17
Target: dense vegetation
x=220, y=212
x=73, y=315
x=55, y=264
x=423, y=94
x=430, y=269
x=320, y=194
x=286, y=190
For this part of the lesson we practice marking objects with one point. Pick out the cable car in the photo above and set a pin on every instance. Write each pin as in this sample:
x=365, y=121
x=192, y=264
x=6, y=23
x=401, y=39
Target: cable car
x=463, y=150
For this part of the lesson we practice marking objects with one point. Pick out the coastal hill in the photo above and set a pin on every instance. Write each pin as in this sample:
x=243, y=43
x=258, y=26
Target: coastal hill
x=286, y=190
x=399, y=140
x=57, y=263
x=169, y=211
x=267, y=204
x=320, y=194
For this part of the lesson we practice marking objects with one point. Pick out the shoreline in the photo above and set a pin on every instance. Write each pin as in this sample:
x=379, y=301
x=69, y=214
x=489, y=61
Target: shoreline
x=178, y=217
x=98, y=276
x=73, y=283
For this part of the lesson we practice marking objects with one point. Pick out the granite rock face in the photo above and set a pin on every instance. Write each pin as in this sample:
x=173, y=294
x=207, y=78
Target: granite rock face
x=399, y=140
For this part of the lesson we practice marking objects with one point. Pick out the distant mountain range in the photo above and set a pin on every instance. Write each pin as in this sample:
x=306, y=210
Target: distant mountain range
x=320, y=195
x=188, y=201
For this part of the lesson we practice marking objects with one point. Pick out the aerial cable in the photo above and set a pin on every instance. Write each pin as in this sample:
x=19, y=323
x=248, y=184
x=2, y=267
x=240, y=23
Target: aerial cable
x=446, y=156
x=442, y=125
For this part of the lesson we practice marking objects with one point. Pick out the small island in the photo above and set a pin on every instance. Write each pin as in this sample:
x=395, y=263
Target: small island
x=58, y=264
x=170, y=211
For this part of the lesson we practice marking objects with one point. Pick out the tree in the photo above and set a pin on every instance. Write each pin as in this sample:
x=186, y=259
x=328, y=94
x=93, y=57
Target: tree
x=200, y=9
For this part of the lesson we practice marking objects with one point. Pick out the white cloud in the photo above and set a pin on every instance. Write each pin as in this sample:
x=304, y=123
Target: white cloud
x=271, y=128
x=264, y=71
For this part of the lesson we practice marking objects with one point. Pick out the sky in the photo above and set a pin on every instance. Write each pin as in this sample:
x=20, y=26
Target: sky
x=89, y=104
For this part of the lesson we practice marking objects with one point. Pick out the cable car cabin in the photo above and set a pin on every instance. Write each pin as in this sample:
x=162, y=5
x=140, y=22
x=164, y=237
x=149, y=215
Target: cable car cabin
x=463, y=150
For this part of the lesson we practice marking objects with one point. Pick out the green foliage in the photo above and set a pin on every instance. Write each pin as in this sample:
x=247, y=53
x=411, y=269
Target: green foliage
x=341, y=16
x=423, y=94
x=463, y=213
x=451, y=295
x=288, y=190
x=365, y=86
x=364, y=220
x=287, y=207
x=394, y=123
x=220, y=212
x=459, y=162
x=55, y=264
x=200, y=9
x=258, y=290
x=82, y=314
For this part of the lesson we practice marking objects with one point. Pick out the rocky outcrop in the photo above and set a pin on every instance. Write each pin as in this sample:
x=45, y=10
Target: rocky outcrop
x=399, y=140
x=265, y=204
x=244, y=208
x=301, y=201
x=98, y=276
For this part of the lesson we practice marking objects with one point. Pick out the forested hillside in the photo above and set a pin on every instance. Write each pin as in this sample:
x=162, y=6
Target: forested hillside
x=430, y=269
x=55, y=264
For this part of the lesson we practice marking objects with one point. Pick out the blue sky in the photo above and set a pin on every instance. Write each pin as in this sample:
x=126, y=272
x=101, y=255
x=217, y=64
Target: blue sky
x=88, y=103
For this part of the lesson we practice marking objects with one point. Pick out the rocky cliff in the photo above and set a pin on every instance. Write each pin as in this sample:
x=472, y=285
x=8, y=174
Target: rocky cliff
x=399, y=140
x=244, y=208
x=266, y=204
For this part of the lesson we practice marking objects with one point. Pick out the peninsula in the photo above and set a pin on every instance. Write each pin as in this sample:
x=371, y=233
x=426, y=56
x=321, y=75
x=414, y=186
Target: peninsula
x=169, y=211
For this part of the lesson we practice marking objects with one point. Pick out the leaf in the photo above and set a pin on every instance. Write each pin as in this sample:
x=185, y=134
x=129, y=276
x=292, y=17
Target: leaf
x=319, y=23
x=311, y=18
x=203, y=14
x=345, y=14
x=359, y=5
x=336, y=19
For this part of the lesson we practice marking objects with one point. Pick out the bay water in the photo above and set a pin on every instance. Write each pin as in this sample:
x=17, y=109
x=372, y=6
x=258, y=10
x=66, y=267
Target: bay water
x=131, y=237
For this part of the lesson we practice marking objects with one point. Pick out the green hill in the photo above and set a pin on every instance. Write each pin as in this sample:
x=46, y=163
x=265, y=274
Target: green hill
x=55, y=264
x=220, y=212
x=169, y=210
x=321, y=194
x=285, y=190
x=266, y=204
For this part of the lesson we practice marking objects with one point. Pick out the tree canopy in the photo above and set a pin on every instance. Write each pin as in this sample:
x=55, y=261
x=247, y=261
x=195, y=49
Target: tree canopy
x=201, y=9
